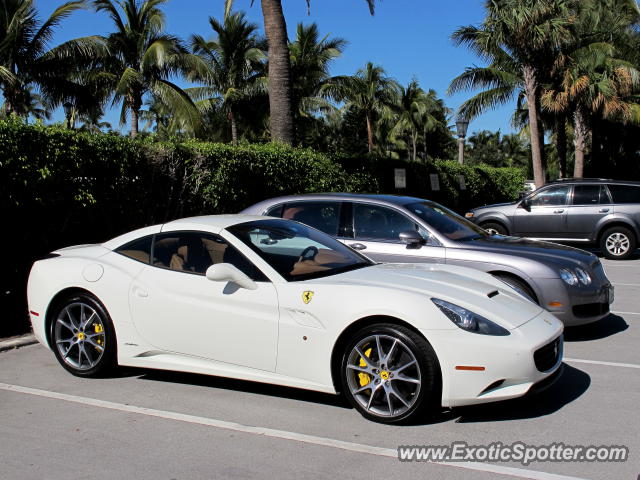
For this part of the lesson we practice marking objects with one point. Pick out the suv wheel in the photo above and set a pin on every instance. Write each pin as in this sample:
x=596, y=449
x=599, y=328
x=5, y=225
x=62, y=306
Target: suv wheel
x=494, y=228
x=618, y=243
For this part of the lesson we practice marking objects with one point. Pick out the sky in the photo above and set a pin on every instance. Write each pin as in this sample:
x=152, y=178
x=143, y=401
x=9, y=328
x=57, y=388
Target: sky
x=409, y=38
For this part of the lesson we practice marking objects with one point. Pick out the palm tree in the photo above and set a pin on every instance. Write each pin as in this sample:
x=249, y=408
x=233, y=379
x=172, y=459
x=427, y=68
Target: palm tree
x=142, y=59
x=370, y=91
x=311, y=57
x=232, y=60
x=415, y=115
x=280, y=83
x=524, y=36
x=27, y=60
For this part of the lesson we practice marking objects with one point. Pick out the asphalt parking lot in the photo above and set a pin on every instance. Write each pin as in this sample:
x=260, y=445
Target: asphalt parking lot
x=162, y=425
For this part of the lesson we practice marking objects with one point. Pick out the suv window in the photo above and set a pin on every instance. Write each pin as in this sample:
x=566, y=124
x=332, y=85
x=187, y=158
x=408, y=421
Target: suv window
x=379, y=223
x=625, y=193
x=552, y=196
x=139, y=249
x=324, y=216
x=589, y=195
x=195, y=252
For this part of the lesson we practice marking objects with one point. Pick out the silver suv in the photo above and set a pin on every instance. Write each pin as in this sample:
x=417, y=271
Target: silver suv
x=605, y=213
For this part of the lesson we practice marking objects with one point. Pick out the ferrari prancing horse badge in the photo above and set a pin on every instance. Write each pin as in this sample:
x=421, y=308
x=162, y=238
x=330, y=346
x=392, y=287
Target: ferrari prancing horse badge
x=307, y=296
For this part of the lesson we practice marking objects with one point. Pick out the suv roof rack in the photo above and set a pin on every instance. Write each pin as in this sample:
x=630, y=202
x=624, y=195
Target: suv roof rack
x=560, y=180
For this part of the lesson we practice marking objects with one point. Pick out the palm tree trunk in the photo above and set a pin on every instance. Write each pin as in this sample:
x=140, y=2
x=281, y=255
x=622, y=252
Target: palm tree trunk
x=531, y=90
x=580, y=140
x=370, y=133
x=234, y=127
x=561, y=145
x=275, y=27
x=414, y=140
x=134, y=123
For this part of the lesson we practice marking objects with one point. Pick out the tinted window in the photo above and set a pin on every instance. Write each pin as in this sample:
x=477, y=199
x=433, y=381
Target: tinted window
x=625, y=194
x=195, y=252
x=379, y=223
x=139, y=249
x=589, y=195
x=447, y=223
x=554, y=196
x=325, y=216
x=297, y=252
x=274, y=211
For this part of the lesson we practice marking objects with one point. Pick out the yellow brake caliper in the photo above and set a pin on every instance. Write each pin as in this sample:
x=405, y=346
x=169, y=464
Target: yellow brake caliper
x=365, y=379
x=98, y=329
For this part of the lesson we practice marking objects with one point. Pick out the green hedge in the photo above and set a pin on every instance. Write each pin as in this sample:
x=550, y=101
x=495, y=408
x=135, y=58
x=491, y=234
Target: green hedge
x=60, y=187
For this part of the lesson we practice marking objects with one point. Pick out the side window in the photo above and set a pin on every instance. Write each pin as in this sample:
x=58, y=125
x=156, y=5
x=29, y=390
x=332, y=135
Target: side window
x=139, y=249
x=324, y=216
x=195, y=252
x=588, y=195
x=379, y=223
x=625, y=193
x=274, y=211
x=551, y=197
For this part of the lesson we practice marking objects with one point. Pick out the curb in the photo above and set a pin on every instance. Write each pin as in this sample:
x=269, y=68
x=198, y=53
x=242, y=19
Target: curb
x=18, y=342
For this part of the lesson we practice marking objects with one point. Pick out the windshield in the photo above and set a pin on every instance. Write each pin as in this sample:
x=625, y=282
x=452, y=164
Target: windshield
x=298, y=252
x=446, y=222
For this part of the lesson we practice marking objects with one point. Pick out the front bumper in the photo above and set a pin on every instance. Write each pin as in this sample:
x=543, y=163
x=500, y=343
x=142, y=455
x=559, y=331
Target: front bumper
x=580, y=305
x=510, y=369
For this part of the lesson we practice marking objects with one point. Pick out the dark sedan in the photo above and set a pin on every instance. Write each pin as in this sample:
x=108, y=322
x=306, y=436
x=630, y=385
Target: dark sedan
x=568, y=282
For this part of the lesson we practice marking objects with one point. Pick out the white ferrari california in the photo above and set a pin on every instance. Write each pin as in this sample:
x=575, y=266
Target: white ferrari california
x=275, y=301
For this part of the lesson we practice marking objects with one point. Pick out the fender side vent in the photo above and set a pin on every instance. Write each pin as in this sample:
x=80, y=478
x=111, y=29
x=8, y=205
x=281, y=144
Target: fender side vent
x=493, y=294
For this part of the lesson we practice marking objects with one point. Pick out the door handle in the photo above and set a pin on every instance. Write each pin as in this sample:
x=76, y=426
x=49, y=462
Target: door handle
x=603, y=210
x=358, y=246
x=140, y=292
x=560, y=210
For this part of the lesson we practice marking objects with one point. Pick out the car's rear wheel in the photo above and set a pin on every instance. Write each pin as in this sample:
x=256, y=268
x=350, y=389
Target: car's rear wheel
x=82, y=336
x=494, y=228
x=390, y=374
x=618, y=243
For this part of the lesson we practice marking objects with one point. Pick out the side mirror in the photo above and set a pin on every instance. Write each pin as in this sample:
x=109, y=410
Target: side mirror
x=225, y=272
x=412, y=238
x=526, y=204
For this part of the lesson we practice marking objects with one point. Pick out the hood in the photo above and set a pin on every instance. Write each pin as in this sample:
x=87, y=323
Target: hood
x=468, y=288
x=495, y=205
x=533, y=249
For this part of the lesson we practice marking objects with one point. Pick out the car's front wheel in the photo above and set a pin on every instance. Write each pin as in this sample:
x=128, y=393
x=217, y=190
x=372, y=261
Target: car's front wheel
x=390, y=374
x=82, y=336
x=495, y=228
x=618, y=243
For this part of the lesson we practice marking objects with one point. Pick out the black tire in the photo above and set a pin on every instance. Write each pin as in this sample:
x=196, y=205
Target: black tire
x=496, y=227
x=85, y=351
x=618, y=243
x=518, y=285
x=418, y=399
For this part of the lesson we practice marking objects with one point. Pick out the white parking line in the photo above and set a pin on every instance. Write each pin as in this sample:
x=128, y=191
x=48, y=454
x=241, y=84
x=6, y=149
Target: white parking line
x=625, y=313
x=626, y=285
x=598, y=362
x=280, y=434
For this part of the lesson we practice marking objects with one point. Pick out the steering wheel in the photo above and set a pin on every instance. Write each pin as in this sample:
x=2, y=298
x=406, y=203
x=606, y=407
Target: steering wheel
x=305, y=253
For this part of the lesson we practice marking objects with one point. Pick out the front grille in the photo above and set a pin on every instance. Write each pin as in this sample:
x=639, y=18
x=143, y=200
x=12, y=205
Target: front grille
x=546, y=357
x=590, y=309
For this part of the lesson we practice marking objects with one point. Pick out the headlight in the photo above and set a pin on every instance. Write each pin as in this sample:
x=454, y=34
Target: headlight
x=583, y=276
x=469, y=215
x=569, y=277
x=469, y=321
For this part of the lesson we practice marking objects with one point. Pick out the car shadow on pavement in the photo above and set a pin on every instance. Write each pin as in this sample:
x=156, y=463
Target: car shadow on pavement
x=570, y=386
x=245, y=386
x=608, y=326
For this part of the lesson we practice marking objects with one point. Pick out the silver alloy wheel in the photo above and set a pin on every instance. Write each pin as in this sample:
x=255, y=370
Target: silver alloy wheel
x=383, y=375
x=79, y=336
x=617, y=244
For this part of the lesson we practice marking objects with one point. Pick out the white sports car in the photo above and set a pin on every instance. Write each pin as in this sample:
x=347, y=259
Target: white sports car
x=275, y=301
